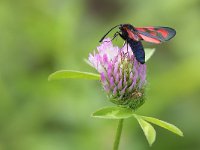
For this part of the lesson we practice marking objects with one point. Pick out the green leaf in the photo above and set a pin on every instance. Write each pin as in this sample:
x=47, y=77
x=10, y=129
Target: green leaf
x=164, y=124
x=113, y=113
x=64, y=74
x=148, y=53
x=148, y=129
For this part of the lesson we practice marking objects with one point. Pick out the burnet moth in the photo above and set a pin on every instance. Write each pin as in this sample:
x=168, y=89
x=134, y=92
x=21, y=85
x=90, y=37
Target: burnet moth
x=133, y=36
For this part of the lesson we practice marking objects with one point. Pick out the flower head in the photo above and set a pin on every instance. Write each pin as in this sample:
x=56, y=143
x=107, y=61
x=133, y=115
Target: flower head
x=122, y=76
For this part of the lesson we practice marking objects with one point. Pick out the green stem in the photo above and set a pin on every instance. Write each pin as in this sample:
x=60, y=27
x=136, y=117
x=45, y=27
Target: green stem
x=118, y=134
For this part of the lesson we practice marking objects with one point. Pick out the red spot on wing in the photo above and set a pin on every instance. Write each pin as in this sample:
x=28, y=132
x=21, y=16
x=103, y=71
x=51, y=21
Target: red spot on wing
x=160, y=33
x=145, y=29
x=153, y=33
x=130, y=34
x=141, y=29
x=149, y=39
x=150, y=30
x=149, y=34
x=163, y=32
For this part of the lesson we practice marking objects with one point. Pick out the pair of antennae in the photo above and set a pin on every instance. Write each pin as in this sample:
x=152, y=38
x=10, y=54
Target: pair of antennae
x=109, y=32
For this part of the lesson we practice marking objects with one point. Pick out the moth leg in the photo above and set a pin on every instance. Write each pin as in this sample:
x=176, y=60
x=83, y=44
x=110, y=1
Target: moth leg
x=115, y=35
x=127, y=53
x=127, y=46
x=125, y=40
x=125, y=43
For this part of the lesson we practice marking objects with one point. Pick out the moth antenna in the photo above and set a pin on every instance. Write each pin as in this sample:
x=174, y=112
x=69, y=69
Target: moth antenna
x=109, y=32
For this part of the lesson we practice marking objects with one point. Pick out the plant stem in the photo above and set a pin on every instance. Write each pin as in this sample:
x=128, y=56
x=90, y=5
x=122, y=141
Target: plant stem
x=118, y=134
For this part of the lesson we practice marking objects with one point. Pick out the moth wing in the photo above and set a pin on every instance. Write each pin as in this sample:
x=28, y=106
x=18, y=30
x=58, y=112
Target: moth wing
x=156, y=34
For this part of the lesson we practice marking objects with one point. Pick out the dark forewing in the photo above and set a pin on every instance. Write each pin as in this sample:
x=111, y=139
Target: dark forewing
x=156, y=34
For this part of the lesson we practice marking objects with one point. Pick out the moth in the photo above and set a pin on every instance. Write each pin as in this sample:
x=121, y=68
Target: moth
x=134, y=35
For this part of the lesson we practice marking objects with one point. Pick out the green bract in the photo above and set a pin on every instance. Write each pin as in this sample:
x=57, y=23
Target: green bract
x=148, y=130
x=113, y=113
x=148, y=53
x=123, y=113
x=164, y=124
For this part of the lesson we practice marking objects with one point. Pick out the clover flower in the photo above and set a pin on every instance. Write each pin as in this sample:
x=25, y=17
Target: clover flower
x=124, y=80
x=122, y=76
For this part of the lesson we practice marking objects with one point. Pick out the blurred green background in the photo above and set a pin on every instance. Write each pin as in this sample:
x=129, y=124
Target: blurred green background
x=42, y=36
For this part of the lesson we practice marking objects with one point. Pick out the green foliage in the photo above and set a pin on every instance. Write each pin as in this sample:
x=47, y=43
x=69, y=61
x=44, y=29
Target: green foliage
x=65, y=74
x=148, y=130
x=148, y=53
x=123, y=113
x=113, y=113
x=163, y=124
